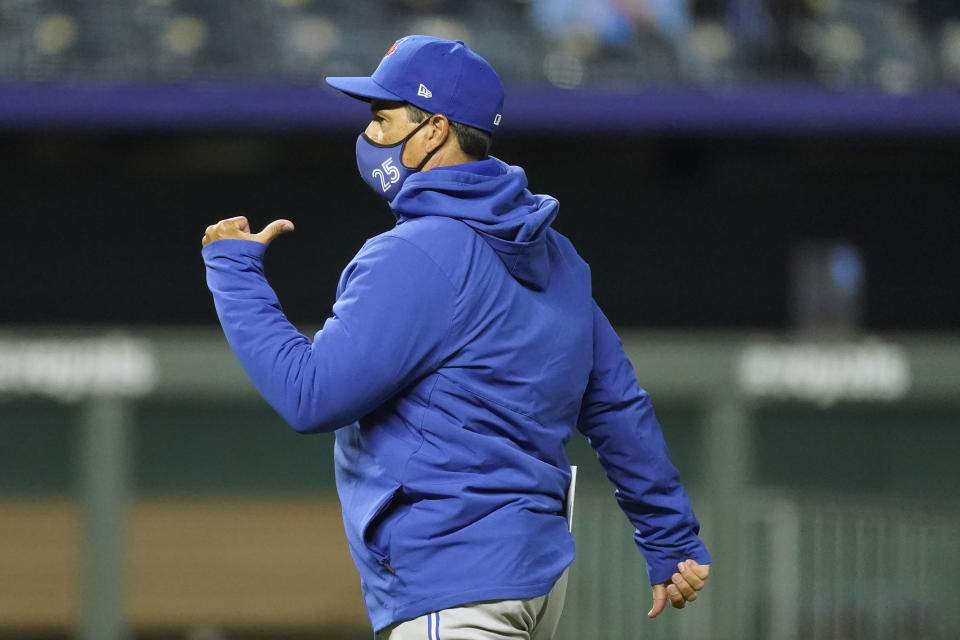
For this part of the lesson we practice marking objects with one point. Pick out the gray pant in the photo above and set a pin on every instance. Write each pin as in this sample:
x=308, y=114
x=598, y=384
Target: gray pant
x=531, y=619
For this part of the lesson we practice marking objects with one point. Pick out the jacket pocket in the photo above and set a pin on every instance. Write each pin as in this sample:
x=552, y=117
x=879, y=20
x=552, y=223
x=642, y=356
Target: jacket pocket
x=370, y=498
x=371, y=528
x=377, y=530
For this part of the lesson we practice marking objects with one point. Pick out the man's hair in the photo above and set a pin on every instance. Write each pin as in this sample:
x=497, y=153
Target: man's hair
x=474, y=142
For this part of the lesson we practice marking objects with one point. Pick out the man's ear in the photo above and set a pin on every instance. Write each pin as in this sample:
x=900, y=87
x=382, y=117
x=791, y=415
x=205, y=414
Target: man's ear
x=439, y=131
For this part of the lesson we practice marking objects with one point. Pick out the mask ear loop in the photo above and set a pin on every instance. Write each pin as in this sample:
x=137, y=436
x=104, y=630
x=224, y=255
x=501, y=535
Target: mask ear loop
x=426, y=158
x=429, y=155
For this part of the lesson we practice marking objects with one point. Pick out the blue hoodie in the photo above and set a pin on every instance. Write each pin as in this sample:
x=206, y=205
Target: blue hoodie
x=463, y=349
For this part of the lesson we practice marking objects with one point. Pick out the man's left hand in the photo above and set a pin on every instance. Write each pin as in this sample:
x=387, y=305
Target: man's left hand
x=682, y=587
x=239, y=229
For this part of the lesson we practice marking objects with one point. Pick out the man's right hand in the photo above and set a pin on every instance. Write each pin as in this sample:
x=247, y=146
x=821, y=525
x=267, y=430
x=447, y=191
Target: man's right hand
x=239, y=229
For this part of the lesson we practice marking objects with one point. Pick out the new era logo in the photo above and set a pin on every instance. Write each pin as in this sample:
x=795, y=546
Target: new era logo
x=423, y=92
x=496, y=121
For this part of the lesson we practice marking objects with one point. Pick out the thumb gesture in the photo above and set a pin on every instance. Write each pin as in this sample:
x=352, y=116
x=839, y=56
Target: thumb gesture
x=272, y=230
x=239, y=229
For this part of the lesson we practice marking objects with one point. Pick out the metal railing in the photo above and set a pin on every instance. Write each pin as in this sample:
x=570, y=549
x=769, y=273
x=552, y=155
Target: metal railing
x=808, y=568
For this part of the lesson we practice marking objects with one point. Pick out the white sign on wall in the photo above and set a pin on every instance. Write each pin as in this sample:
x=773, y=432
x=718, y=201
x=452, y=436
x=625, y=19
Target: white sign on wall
x=825, y=373
x=68, y=369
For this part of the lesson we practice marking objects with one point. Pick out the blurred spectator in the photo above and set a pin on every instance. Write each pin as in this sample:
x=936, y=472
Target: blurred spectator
x=759, y=33
x=611, y=23
x=749, y=21
x=941, y=22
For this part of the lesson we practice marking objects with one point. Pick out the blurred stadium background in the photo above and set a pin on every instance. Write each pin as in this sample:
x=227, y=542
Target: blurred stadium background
x=766, y=191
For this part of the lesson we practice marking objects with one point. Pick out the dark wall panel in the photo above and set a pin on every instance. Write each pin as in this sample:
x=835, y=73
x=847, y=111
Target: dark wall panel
x=680, y=232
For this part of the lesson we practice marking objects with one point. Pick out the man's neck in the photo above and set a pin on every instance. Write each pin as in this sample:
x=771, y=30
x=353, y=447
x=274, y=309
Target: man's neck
x=448, y=157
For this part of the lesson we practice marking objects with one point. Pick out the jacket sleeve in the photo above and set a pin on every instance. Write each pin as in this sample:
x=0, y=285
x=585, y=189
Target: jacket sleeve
x=619, y=422
x=390, y=321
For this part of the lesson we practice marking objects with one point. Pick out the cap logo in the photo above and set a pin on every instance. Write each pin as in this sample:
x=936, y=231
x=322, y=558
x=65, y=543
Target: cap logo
x=393, y=48
x=423, y=92
x=496, y=121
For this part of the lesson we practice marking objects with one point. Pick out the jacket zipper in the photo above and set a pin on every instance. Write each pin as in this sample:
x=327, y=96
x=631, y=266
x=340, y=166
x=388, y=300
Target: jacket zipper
x=386, y=565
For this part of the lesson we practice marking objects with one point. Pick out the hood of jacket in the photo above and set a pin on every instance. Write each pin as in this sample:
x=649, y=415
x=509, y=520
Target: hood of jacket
x=492, y=198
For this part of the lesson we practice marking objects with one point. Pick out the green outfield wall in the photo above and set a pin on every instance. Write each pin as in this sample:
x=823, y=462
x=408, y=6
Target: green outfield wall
x=824, y=473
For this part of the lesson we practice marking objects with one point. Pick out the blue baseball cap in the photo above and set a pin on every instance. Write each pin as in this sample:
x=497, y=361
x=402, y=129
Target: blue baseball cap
x=438, y=76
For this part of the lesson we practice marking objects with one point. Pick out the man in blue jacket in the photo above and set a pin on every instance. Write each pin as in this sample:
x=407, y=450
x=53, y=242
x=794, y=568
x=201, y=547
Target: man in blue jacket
x=463, y=350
